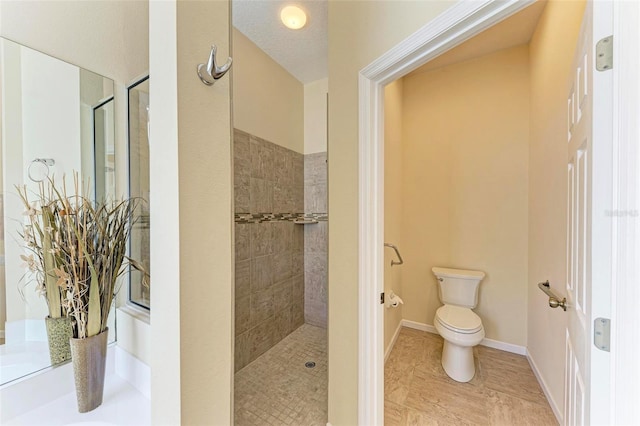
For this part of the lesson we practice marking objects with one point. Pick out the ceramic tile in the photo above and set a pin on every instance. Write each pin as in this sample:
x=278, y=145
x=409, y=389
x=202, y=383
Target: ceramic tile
x=242, y=194
x=282, y=268
x=261, y=159
x=505, y=410
x=261, y=196
x=262, y=306
x=283, y=236
x=260, y=339
x=418, y=391
x=242, y=314
x=261, y=239
x=242, y=236
x=242, y=351
x=277, y=389
x=261, y=273
x=243, y=278
x=241, y=153
x=282, y=295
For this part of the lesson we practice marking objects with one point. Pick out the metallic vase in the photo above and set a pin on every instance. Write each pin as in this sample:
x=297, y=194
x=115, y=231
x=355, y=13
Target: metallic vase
x=89, y=358
x=59, y=331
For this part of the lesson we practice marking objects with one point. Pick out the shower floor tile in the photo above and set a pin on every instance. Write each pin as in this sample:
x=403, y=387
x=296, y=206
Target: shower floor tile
x=277, y=388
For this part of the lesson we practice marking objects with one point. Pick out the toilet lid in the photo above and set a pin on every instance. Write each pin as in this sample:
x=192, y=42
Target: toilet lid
x=457, y=318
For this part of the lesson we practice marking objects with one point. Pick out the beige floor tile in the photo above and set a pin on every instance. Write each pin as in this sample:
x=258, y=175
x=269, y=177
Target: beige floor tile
x=277, y=388
x=504, y=390
x=507, y=410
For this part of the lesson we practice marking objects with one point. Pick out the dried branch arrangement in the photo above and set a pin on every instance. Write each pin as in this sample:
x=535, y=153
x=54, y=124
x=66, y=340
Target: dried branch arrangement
x=78, y=252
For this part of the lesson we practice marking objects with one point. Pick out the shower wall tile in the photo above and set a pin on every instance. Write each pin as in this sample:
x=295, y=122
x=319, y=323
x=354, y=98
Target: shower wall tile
x=282, y=324
x=260, y=196
x=261, y=239
x=282, y=236
x=242, y=351
x=261, y=273
x=315, y=168
x=262, y=307
x=282, y=266
x=315, y=198
x=262, y=162
x=315, y=240
x=242, y=314
x=261, y=339
x=316, y=237
x=297, y=260
x=243, y=241
x=242, y=194
x=298, y=239
x=282, y=295
x=243, y=278
x=269, y=288
x=241, y=170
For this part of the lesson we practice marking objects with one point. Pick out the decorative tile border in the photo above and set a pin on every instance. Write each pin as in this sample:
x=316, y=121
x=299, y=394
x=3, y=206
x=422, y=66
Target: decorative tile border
x=278, y=217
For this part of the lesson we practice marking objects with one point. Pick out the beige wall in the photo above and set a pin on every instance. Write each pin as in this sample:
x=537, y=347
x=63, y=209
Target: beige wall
x=465, y=179
x=190, y=157
x=551, y=54
x=359, y=32
x=315, y=116
x=268, y=102
x=393, y=203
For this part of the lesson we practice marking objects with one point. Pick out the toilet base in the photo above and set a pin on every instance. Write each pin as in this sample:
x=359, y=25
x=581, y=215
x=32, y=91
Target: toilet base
x=457, y=362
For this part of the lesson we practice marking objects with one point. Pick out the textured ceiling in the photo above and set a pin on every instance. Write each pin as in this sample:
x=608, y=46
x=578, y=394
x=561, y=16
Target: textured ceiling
x=303, y=53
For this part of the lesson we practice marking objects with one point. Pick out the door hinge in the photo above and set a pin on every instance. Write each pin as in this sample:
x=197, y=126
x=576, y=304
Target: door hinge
x=382, y=298
x=604, y=54
x=602, y=333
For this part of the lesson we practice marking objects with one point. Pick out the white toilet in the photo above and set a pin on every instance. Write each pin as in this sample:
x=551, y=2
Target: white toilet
x=458, y=325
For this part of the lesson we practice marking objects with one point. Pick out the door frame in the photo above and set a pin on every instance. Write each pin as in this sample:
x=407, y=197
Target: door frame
x=454, y=26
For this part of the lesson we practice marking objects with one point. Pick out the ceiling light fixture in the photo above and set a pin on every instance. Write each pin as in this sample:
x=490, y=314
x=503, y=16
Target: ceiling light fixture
x=293, y=17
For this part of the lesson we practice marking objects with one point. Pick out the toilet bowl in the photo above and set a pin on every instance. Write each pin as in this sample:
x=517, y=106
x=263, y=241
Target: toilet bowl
x=459, y=326
x=461, y=330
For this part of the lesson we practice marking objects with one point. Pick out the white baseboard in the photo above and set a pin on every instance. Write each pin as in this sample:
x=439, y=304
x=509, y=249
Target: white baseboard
x=419, y=326
x=387, y=352
x=134, y=371
x=490, y=343
x=554, y=407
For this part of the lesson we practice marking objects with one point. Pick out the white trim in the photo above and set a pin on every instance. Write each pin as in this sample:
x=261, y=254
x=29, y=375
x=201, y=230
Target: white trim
x=625, y=292
x=392, y=343
x=554, y=407
x=134, y=371
x=419, y=326
x=504, y=346
x=455, y=25
x=490, y=343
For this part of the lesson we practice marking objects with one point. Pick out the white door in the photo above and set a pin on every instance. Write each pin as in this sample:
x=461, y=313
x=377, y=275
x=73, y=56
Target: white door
x=589, y=184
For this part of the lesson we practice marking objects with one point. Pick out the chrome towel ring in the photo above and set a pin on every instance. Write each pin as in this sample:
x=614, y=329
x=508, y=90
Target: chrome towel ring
x=43, y=165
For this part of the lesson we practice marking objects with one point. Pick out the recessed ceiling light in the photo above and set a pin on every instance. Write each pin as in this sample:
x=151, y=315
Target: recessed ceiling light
x=293, y=17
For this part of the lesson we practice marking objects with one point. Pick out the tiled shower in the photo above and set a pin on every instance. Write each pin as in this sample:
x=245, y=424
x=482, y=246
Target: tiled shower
x=281, y=266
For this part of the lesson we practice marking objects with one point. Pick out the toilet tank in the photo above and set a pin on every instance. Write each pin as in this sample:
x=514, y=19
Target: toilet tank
x=458, y=287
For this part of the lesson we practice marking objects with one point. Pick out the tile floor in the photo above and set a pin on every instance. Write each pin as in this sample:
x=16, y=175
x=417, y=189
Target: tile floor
x=418, y=391
x=277, y=388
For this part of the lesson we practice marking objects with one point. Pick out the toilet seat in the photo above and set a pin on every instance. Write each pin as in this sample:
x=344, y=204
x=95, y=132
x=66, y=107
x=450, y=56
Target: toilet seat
x=458, y=319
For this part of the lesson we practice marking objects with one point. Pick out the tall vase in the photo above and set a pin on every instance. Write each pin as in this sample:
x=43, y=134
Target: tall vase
x=59, y=331
x=89, y=358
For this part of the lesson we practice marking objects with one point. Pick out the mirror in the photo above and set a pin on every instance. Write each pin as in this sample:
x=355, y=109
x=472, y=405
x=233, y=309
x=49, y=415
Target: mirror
x=139, y=187
x=56, y=119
